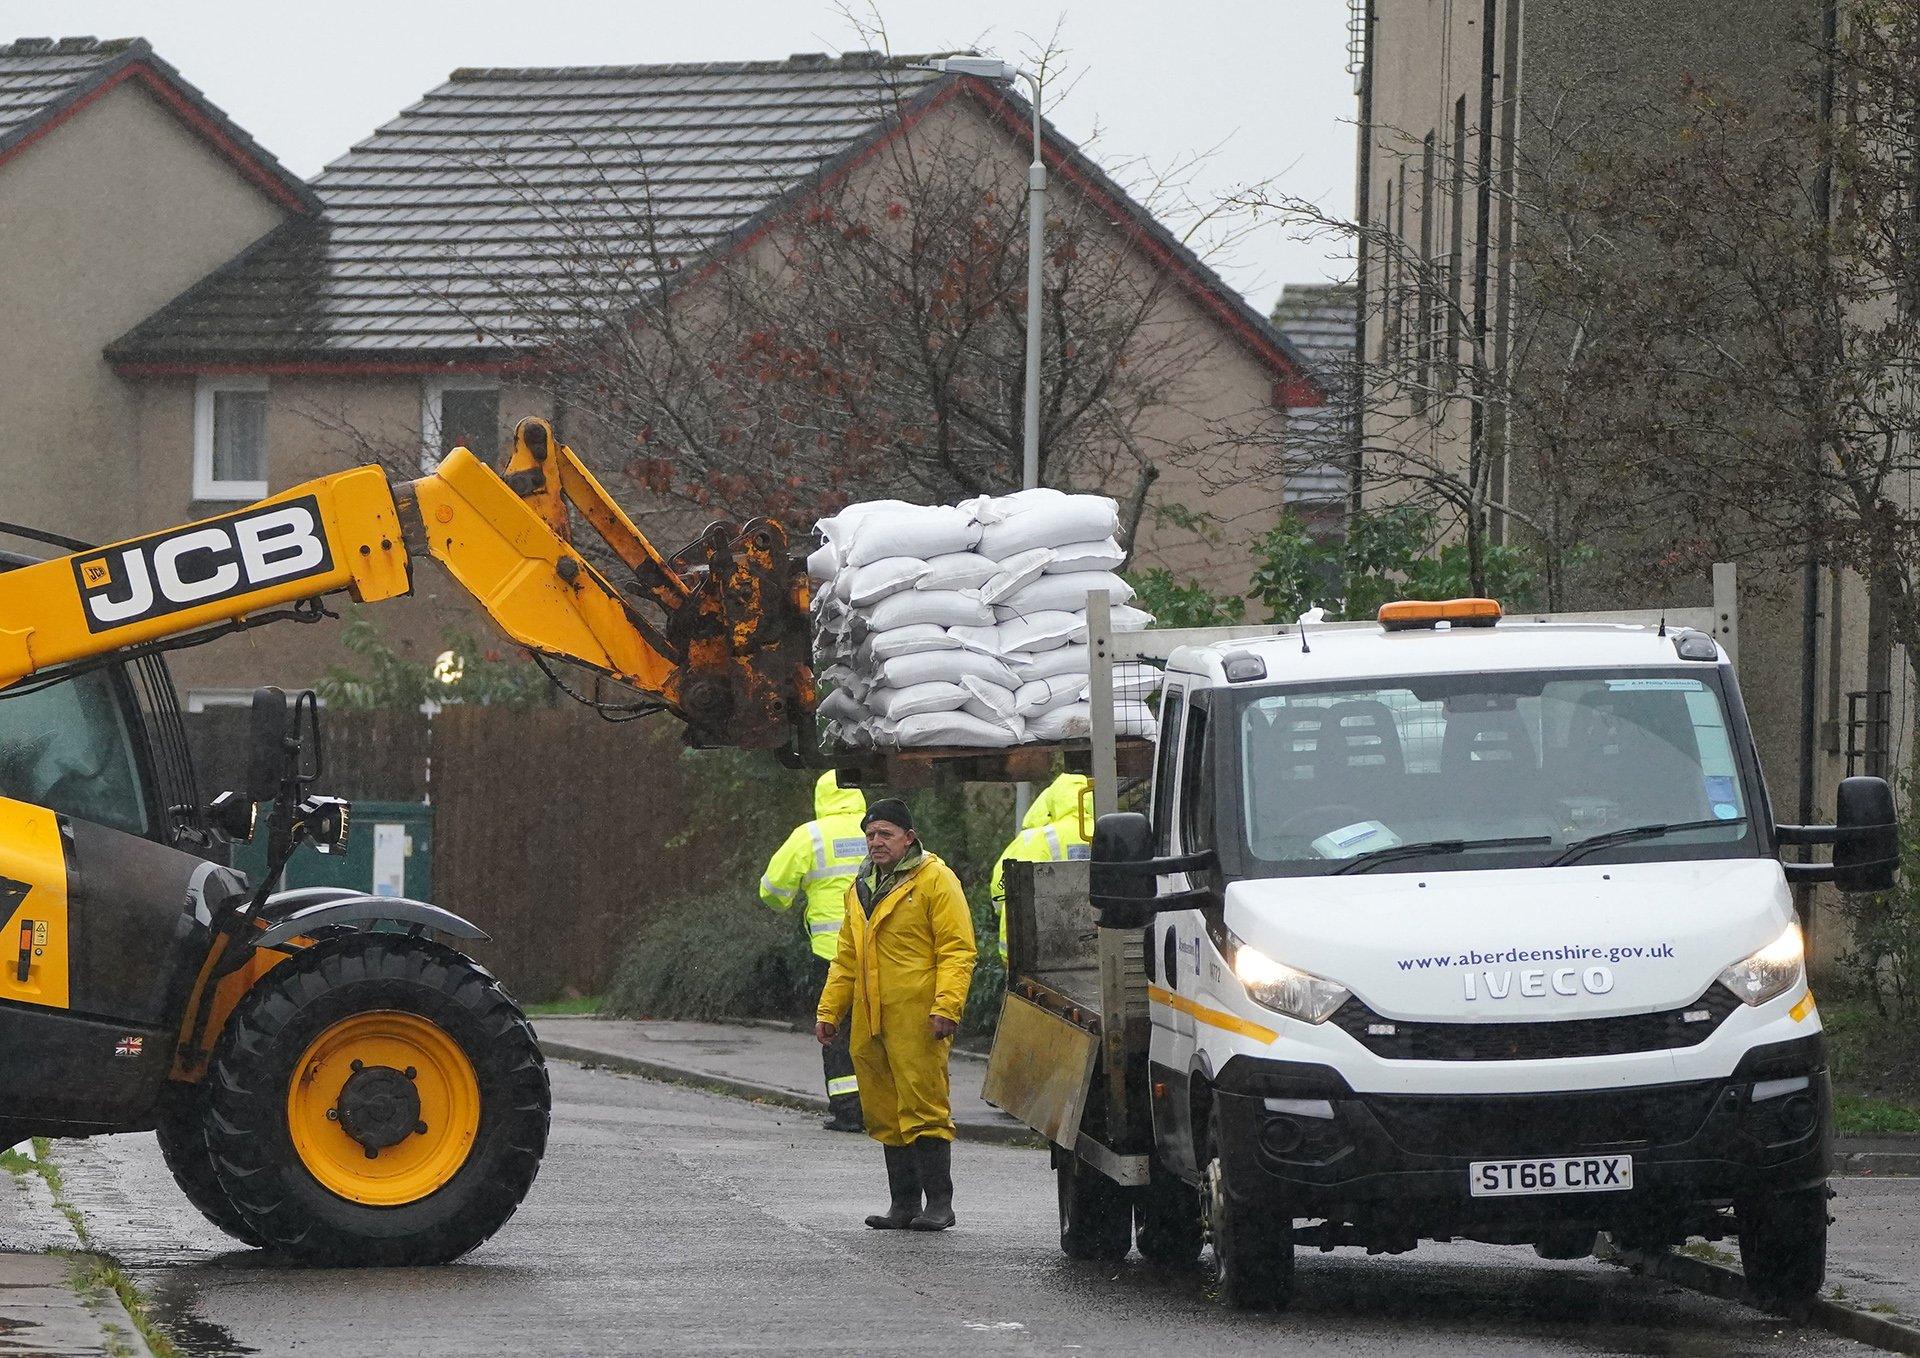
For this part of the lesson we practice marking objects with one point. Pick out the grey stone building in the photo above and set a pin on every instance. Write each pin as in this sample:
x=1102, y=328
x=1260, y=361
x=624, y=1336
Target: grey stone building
x=1459, y=101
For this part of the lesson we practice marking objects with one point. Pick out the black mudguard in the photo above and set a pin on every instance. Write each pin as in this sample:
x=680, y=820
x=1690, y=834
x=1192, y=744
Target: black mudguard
x=319, y=907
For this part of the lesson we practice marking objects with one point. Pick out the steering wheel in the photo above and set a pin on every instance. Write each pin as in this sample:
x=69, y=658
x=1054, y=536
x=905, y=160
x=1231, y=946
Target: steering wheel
x=1329, y=817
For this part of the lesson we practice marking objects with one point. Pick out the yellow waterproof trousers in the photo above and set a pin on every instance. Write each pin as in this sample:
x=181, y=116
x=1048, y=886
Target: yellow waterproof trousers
x=903, y=1082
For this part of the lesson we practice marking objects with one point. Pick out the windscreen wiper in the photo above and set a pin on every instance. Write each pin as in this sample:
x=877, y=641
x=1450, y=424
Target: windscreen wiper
x=1581, y=847
x=1374, y=858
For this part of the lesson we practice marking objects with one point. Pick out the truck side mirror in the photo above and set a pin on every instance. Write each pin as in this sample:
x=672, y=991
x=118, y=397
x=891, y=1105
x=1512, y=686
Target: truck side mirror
x=1866, y=844
x=1122, y=837
x=266, y=745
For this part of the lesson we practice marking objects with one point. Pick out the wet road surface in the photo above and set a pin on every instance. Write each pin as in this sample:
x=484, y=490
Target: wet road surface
x=671, y=1221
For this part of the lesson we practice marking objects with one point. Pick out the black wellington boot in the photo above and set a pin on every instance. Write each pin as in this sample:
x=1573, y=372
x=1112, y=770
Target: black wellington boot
x=935, y=1161
x=903, y=1185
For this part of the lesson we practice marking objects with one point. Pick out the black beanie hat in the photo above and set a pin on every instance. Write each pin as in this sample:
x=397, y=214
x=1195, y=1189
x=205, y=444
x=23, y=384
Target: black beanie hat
x=890, y=809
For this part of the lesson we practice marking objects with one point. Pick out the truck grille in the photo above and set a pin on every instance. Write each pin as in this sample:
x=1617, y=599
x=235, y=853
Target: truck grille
x=1489, y=1125
x=1401, y=1040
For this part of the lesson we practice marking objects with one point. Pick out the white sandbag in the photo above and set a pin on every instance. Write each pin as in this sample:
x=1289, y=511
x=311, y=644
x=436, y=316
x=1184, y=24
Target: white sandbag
x=1133, y=681
x=944, y=607
x=990, y=702
x=1064, y=591
x=1015, y=574
x=951, y=728
x=913, y=639
x=990, y=509
x=823, y=563
x=1075, y=722
x=979, y=640
x=905, y=670
x=830, y=615
x=917, y=530
x=1074, y=659
x=1071, y=722
x=896, y=704
x=1041, y=631
x=1050, y=523
x=837, y=529
x=1043, y=695
x=1104, y=555
x=958, y=570
x=1129, y=619
x=842, y=707
x=864, y=586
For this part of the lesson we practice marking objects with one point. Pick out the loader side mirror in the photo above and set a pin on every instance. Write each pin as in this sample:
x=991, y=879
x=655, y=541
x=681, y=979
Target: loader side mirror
x=267, y=744
x=1866, y=844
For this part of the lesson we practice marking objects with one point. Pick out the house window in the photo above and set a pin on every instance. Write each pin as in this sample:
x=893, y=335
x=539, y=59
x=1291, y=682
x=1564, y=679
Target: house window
x=459, y=414
x=230, y=438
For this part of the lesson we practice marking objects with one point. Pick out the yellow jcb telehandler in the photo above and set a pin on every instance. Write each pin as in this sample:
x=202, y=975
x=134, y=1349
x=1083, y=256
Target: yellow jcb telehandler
x=327, y=1073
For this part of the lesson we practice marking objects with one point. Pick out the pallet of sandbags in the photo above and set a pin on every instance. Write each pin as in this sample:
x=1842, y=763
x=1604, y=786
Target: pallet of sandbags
x=965, y=625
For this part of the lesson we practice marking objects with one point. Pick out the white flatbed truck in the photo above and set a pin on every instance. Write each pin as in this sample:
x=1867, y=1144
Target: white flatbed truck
x=1445, y=927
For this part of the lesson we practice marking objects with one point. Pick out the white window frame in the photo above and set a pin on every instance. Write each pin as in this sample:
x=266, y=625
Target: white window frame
x=431, y=390
x=205, y=487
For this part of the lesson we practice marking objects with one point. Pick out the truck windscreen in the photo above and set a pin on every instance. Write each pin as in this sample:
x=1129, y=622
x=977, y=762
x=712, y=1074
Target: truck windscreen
x=1327, y=774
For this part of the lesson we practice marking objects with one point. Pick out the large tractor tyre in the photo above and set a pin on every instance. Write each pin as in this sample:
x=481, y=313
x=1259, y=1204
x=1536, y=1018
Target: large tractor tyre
x=1252, y=1247
x=1783, y=1245
x=377, y=1099
x=1096, y=1218
x=182, y=1133
x=1167, y=1220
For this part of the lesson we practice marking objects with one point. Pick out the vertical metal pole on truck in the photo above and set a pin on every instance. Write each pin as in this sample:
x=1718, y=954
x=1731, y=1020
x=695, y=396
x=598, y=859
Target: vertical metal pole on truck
x=1111, y=943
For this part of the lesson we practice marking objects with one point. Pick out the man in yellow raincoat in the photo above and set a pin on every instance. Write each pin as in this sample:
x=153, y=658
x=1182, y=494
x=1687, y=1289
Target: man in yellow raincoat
x=899, y=980
x=1053, y=831
x=819, y=860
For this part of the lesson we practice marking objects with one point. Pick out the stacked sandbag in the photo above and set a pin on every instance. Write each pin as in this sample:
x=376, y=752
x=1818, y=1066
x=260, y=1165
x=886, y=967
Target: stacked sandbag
x=966, y=624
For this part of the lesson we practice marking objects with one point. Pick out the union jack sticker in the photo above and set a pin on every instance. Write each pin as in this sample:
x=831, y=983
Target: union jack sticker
x=130, y=1046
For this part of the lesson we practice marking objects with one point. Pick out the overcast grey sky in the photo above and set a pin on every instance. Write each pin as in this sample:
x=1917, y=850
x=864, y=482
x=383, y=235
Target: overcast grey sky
x=1261, y=83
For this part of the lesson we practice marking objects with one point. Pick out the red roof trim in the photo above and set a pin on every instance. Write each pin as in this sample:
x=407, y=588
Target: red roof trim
x=163, y=89
x=351, y=367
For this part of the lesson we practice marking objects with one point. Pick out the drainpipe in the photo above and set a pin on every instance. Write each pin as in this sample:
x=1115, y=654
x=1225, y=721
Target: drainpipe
x=1810, y=569
x=1482, y=229
x=1363, y=214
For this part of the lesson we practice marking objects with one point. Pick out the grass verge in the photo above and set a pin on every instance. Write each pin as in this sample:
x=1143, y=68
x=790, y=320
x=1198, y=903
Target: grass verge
x=579, y=1004
x=93, y=1275
x=1876, y=1068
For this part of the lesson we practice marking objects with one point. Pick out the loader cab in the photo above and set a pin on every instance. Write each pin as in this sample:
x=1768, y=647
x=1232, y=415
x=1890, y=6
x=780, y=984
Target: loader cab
x=107, y=746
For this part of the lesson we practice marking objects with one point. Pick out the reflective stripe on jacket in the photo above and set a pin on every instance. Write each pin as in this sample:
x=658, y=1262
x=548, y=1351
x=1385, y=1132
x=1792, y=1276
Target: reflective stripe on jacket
x=819, y=859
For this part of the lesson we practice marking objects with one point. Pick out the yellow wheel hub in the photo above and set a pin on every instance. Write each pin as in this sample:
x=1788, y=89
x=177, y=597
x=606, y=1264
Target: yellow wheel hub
x=383, y=1108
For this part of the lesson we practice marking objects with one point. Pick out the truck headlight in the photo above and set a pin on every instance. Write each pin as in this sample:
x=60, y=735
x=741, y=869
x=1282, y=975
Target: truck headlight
x=1287, y=990
x=1771, y=972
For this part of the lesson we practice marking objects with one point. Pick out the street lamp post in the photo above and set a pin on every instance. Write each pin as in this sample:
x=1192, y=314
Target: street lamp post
x=992, y=68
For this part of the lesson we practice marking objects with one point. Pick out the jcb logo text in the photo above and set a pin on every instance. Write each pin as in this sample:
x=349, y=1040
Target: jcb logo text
x=219, y=559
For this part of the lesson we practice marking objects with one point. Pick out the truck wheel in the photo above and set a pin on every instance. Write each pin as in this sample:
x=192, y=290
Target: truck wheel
x=377, y=1099
x=1252, y=1250
x=1096, y=1219
x=1783, y=1244
x=182, y=1134
x=1168, y=1217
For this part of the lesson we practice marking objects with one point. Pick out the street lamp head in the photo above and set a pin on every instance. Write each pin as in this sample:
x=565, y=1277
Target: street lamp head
x=987, y=68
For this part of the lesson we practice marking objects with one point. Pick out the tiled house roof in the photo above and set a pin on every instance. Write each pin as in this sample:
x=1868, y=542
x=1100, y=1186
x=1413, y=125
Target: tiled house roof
x=1320, y=320
x=423, y=217
x=45, y=81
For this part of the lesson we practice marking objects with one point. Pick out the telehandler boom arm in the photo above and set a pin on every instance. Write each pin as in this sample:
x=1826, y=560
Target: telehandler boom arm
x=722, y=642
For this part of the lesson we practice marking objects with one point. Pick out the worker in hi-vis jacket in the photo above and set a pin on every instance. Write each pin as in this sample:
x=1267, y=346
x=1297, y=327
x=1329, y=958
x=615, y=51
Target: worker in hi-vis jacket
x=818, y=861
